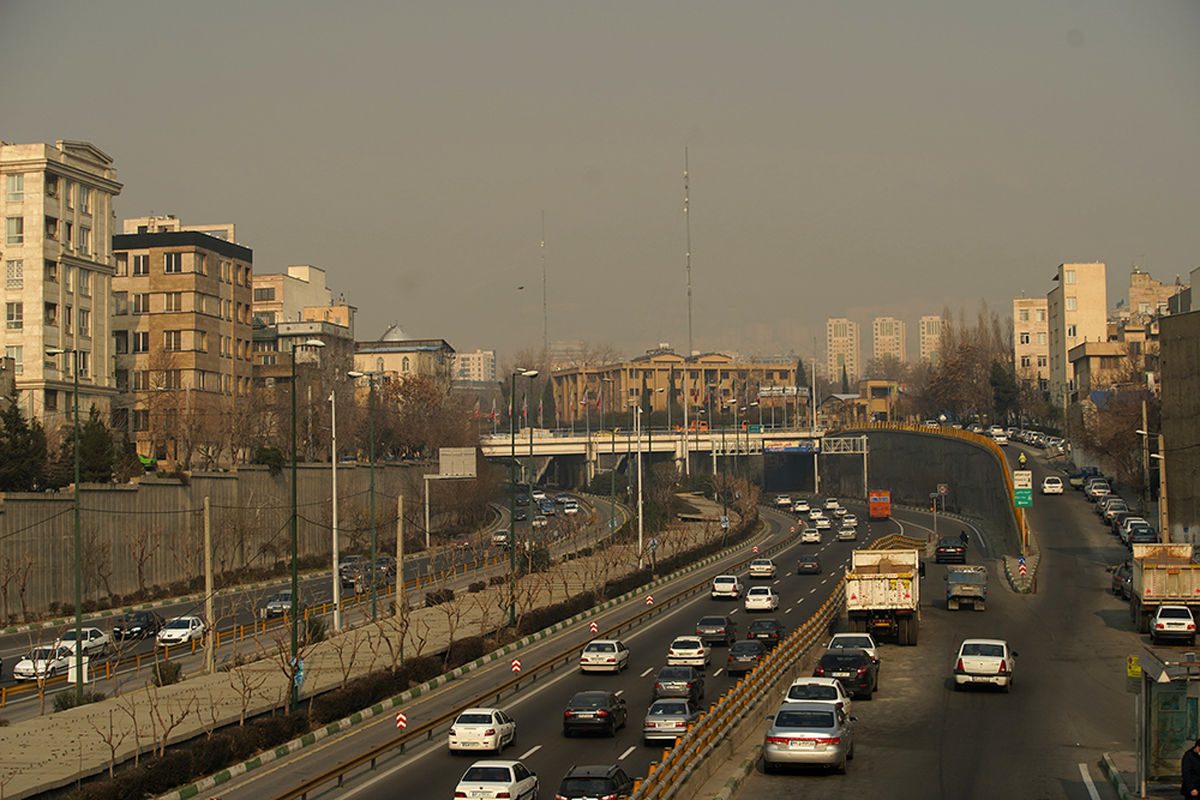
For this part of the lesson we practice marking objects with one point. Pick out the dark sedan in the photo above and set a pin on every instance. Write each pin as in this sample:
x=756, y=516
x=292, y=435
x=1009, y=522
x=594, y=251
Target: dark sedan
x=767, y=631
x=856, y=670
x=679, y=682
x=950, y=550
x=808, y=565
x=716, y=630
x=744, y=656
x=594, y=711
x=136, y=625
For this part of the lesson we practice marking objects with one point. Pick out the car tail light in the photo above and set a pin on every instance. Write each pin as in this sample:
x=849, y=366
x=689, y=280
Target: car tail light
x=671, y=652
x=827, y=739
x=1191, y=626
x=1003, y=665
x=567, y=713
x=819, y=670
x=610, y=660
x=1159, y=625
x=452, y=732
x=959, y=666
x=862, y=670
x=503, y=794
x=560, y=797
x=602, y=713
x=490, y=732
x=778, y=739
x=460, y=794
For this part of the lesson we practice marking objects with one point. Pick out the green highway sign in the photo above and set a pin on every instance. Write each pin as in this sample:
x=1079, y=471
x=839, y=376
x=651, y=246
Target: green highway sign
x=755, y=429
x=1022, y=498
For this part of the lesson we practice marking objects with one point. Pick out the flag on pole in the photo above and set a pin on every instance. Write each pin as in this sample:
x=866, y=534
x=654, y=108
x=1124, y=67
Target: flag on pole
x=477, y=408
x=492, y=416
x=540, y=425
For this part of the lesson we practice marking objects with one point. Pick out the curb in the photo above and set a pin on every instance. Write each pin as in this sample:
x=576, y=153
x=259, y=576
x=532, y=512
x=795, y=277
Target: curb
x=1022, y=584
x=1109, y=767
x=268, y=756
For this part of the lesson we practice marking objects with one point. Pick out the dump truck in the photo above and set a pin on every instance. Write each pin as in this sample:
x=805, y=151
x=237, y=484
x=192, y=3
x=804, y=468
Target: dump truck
x=966, y=584
x=1163, y=574
x=883, y=593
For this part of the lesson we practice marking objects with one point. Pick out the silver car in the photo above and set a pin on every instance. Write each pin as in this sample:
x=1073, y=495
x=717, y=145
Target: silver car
x=805, y=734
x=668, y=719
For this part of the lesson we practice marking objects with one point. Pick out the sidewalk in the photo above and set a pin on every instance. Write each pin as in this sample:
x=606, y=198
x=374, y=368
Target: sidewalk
x=1121, y=771
x=57, y=750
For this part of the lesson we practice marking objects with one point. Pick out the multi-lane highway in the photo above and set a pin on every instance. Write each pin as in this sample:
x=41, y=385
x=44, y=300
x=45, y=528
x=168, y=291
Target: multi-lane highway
x=538, y=710
x=920, y=739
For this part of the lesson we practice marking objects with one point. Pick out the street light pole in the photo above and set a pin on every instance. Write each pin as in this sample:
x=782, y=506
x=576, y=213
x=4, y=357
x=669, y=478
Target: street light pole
x=512, y=489
x=638, y=422
x=337, y=578
x=371, y=574
x=78, y=539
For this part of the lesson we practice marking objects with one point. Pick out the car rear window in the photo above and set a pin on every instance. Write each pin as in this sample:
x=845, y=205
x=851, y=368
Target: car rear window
x=712, y=622
x=804, y=719
x=853, y=641
x=473, y=719
x=487, y=775
x=1175, y=613
x=690, y=641
x=994, y=650
x=663, y=709
x=589, y=699
x=585, y=787
x=812, y=691
x=842, y=659
x=746, y=647
x=674, y=673
x=601, y=647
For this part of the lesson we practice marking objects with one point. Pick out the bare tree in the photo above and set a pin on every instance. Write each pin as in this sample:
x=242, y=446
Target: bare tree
x=168, y=711
x=129, y=706
x=143, y=544
x=113, y=737
x=97, y=563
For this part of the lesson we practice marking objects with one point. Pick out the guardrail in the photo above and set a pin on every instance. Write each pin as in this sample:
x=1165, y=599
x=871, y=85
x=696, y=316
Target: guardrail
x=667, y=777
x=565, y=658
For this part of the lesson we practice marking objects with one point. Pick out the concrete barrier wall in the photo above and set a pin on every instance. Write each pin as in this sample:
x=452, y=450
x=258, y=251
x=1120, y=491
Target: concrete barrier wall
x=155, y=527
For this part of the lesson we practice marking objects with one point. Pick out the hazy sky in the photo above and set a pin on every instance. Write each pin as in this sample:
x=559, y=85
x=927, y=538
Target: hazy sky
x=851, y=159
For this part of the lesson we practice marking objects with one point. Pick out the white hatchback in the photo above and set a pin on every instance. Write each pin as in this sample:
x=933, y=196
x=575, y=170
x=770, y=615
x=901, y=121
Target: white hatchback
x=604, y=655
x=1052, y=484
x=800, y=507
x=482, y=729
x=761, y=598
x=688, y=651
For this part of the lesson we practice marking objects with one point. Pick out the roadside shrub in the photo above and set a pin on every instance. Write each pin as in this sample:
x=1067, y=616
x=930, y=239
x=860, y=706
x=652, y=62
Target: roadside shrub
x=167, y=673
x=464, y=651
x=168, y=771
x=66, y=700
x=477, y=586
x=438, y=596
x=497, y=580
x=314, y=629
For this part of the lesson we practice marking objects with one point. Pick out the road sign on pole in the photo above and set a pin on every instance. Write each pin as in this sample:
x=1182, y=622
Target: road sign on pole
x=401, y=720
x=594, y=627
x=943, y=488
x=649, y=599
x=516, y=665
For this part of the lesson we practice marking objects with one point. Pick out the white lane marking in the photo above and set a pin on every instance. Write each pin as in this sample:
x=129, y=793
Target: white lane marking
x=1087, y=781
x=647, y=672
x=619, y=692
x=812, y=590
x=530, y=752
x=718, y=672
x=787, y=611
x=624, y=755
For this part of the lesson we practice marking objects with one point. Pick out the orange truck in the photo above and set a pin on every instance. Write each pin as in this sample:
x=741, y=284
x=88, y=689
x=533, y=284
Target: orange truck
x=879, y=504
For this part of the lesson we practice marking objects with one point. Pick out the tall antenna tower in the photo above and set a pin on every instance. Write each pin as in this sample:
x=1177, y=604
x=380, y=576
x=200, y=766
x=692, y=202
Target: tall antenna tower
x=687, y=255
x=545, y=307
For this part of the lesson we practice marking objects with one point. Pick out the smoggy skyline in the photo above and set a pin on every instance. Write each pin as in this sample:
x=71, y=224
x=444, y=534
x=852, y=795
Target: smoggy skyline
x=845, y=160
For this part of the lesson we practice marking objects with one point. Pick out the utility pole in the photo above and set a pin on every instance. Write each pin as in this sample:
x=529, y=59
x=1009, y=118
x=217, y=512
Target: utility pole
x=545, y=305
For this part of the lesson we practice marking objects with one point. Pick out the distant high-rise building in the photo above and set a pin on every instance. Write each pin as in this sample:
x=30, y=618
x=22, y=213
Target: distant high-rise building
x=889, y=338
x=1031, y=341
x=931, y=338
x=1076, y=311
x=842, y=349
x=282, y=297
x=477, y=367
x=57, y=205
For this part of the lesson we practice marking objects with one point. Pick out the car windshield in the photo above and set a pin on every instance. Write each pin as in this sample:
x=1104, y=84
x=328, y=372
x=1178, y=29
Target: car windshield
x=812, y=691
x=665, y=709
x=175, y=624
x=804, y=719
x=473, y=719
x=42, y=654
x=487, y=775
x=983, y=649
x=711, y=622
x=589, y=700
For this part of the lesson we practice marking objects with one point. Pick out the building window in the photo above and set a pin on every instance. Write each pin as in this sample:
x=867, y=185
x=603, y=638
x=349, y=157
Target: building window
x=1025, y=337
x=51, y=272
x=174, y=301
x=67, y=318
x=70, y=278
x=121, y=342
x=120, y=304
x=51, y=317
x=85, y=200
x=14, y=273
x=17, y=353
x=141, y=419
x=1041, y=315
x=201, y=339
x=1070, y=331
x=67, y=194
x=14, y=316
x=172, y=340
x=140, y=383
x=85, y=239
x=141, y=341
x=15, y=187
x=81, y=363
x=404, y=363
x=14, y=228
x=50, y=398
x=1025, y=361
x=122, y=268
x=141, y=265
x=263, y=294
x=85, y=320
x=1068, y=276
x=1041, y=338
x=122, y=378
x=51, y=185
x=202, y=263
x=173, y=263
x=1041, y=361
x=1070, y=301
x=1023, y=315
x=141, y=303
x=172, y=379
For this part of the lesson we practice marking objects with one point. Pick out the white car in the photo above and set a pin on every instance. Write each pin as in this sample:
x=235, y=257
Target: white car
x=42, y=663
x=855, y=641
x=783, y=501
x=1173, y=622
x=800, y=507
x=539, y=521
x=761, y=598
x=810, y=536
x=818, y=690
x=180, y=630
x=688, y=651
x=847, y=533
x=482, y=729
x=824, y=524
x=538, y=495
x=985, y=661
x=839, y=512
x=726, y=586
x=571, y=508
x=604, y=655
x=762, y=568
x=492, y=780
x=1052, y=484
x=849, y=521
x=815, y=514
x=831, y=503
x=95, y=641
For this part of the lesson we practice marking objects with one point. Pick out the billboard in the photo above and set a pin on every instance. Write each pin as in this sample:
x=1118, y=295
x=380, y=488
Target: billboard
x=456, y=462
x=791, y=446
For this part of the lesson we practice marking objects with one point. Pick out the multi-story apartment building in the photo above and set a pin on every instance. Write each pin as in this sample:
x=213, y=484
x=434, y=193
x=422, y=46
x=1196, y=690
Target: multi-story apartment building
x=181, y=335
x=1076, y=311
x=1031, y=341
x=842, y=349
x=282, y=297
x=889, y=338
x=476, y=367
x=57, y=205
x=1149, y=298
x=930, y=338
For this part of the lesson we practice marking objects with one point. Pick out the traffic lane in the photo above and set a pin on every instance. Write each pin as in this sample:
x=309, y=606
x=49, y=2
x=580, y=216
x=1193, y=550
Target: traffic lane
x=539, y=715
x=397, y=767
x=919, y=738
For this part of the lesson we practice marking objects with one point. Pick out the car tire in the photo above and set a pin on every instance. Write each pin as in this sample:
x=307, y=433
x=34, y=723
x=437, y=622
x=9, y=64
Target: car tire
x=612, y=729
x=566, y=733
x=768, y=767
x=840, y=768
x=850, y=755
